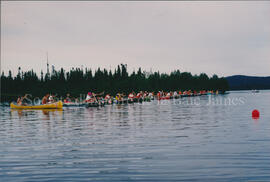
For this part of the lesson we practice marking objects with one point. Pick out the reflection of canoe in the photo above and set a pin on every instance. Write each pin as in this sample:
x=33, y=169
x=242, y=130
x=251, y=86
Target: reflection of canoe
x=73, y=104
x=56, y=105
x=255, y=91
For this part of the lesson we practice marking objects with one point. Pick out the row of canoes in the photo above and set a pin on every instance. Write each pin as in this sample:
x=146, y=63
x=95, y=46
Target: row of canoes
x=60, y=104
x=103, y=102
x=179, y=96
x=100, y=103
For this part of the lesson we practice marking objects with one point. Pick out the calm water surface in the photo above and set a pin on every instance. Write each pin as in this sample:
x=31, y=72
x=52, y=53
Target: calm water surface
x=157, y=141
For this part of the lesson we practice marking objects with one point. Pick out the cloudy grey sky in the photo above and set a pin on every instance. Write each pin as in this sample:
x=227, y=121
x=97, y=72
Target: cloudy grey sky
x=226, y=38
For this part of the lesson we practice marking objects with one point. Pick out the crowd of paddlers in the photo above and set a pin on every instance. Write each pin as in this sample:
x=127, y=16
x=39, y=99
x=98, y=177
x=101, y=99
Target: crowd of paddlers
x=100, y=99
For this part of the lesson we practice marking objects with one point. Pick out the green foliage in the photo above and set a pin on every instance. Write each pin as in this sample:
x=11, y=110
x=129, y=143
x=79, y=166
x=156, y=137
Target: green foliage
x=77, y=81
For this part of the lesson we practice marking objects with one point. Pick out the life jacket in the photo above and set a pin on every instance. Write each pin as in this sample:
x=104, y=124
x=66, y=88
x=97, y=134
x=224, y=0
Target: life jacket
x=88, y=97
x=91, y=100
x=118, y=97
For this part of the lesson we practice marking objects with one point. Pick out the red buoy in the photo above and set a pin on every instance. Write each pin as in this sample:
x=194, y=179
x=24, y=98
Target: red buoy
x=255, y=114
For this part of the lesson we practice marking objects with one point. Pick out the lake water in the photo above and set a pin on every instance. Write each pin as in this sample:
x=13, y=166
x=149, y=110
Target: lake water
x=207, y=138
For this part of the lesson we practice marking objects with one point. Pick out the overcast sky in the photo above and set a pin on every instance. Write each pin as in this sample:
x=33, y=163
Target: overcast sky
x=225, y=38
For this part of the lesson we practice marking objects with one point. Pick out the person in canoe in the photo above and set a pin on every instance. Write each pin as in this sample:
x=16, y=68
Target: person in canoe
x=25, y=100
x=159, y=95
x=45, y=99
x=175, y=94
x=131, y=96
x=19, y=101
x=51, y=98
x=118, y=98
x=67, y=99
x=90, y=97
x=168, y=95
x=139, y=95
x=151, y=95
x=108, y=99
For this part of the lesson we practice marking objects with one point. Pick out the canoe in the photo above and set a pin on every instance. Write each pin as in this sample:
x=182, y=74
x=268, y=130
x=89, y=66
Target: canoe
x=108, y=101
x=122, y=101
x=147, y=99
x=130, y=100
x=119, y=102
x=55, y=105
x=164, y=98
x=95, y=104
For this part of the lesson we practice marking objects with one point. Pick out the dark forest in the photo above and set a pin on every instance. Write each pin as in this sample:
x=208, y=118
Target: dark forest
x=79, y=81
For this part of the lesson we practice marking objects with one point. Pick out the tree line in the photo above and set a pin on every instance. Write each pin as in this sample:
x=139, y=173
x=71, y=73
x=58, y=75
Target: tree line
x=78, y=81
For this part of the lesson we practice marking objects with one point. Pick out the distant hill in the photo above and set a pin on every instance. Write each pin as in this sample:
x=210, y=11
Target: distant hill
x=241, y=82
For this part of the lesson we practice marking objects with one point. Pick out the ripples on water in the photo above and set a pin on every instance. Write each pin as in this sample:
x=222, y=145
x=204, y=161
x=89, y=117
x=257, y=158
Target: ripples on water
x=157, y=141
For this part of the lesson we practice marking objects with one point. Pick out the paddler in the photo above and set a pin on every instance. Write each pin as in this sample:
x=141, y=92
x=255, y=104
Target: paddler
x=175, y=94
x=131, y=95
x=89, y=97
x=118, y=97
x=145, y=94
x=51, y=98
x=25, y=100
x=19, y=101
x=67, y=98
x=45, y=99
x=168, y=95
x=158, y=95
x=139, y=95
x=107, y=97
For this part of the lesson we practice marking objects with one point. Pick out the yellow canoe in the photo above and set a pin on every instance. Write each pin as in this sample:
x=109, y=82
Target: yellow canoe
x=55, y=105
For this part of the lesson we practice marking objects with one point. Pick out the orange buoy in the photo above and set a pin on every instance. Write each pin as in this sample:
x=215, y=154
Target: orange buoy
x=255, y=114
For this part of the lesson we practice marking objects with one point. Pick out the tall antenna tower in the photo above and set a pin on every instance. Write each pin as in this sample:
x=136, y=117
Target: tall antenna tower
x=48, y=71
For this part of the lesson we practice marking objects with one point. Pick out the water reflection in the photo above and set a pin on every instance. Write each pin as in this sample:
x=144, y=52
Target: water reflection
x=24, y=113
x=141, y=142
